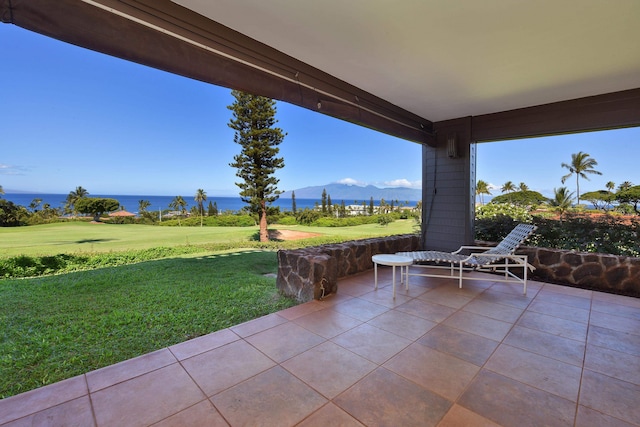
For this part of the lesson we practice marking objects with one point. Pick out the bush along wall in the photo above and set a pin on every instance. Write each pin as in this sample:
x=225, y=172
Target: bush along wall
x=590, y=253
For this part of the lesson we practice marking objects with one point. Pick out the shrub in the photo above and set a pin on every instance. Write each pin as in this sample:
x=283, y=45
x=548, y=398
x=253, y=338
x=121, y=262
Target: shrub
x=287, y=220
x=233, y=221
x=226, y=220
x=307, y=216
x=385, y=219
x=602, y=235
x=605, y=234
x=492, y=210
x=122, y=220
x=345, y=222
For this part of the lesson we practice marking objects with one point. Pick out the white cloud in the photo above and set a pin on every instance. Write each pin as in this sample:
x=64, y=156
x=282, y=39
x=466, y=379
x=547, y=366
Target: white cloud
x=403, y=182
x=351, y=181
x=11, y=170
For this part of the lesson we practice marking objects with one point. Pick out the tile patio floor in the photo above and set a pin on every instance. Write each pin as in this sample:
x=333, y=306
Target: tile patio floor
x=436, y=356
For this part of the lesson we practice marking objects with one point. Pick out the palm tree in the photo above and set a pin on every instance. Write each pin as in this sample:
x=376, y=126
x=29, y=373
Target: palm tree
x=35, y=203
x=73, y=197
x=581, y=164
x=143, y=205
x=523, y=187
x=625, y=186
x=201, y=197
x=508, y=187
x=561, y=200
x=178, y=204
x=1, y=190
x=610, y=186
x=482, y=187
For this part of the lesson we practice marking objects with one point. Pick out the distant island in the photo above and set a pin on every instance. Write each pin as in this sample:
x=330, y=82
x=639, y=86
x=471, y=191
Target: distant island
x=351, y=193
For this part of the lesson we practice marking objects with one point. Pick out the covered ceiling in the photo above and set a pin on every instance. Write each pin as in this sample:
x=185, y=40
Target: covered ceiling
x=395, y=66
x=443, y=59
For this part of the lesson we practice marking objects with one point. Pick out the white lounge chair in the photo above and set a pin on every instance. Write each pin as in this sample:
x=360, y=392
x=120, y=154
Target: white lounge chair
x=500, y=258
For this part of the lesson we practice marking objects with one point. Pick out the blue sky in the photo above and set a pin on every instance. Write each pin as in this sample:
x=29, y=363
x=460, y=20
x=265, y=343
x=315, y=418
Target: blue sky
x=71, y=117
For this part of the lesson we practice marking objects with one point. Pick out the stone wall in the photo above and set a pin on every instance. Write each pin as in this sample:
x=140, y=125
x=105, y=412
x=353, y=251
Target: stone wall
x=601, y=272
x=313, y=272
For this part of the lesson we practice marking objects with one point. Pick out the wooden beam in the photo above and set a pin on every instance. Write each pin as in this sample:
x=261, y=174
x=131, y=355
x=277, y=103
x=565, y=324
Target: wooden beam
x=166, y=36
x=600, y=112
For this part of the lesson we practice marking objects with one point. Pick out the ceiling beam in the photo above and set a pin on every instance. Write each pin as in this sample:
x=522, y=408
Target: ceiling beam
x=166, y=36
x=600, y=112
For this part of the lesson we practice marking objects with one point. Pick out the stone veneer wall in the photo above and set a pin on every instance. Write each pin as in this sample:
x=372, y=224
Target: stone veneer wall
x=600, y=272
x=313, y=272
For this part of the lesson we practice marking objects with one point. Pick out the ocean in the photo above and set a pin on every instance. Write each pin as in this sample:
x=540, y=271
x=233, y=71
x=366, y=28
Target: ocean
x=131, y=203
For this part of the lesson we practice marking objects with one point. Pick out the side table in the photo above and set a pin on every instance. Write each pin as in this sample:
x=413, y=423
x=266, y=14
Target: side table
x=393, y=261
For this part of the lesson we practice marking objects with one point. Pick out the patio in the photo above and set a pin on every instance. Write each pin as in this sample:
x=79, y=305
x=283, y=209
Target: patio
x=436, y=356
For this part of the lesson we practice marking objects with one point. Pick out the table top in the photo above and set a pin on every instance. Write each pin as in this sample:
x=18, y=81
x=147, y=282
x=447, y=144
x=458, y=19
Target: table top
x=390, y=259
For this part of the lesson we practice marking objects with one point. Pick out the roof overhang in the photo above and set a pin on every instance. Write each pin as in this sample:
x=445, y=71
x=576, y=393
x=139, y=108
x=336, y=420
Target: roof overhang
x=517, y=70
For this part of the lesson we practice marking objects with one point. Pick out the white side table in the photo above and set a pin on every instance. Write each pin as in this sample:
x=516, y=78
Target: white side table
x=393, y=261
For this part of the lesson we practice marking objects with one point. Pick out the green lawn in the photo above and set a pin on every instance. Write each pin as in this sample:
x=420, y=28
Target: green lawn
x=75, y=237
x=84, y=237
x=56, y=327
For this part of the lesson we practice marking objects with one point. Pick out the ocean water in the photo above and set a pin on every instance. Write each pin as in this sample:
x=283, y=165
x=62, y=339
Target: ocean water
x=131, y=203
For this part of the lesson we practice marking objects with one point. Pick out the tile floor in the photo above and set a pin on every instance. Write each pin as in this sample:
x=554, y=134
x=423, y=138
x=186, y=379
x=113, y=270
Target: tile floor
x=437, y=355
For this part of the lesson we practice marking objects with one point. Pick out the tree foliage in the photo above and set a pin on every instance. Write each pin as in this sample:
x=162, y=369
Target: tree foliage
x=324, y=201
x=508, y=187
x=96, y=206
x=561, y=200
x=254, y=124
x=482, y=187
x=630, y=196
x=200, y=198
x=179, y=204
x=143, y=205
x=526, y=198
x=10, y=213
x=600, y=199
x=581, y=165
x=294, y=208
x=74, y=196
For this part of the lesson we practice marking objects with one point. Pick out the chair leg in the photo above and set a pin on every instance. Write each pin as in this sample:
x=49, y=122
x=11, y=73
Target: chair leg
x=460, y=276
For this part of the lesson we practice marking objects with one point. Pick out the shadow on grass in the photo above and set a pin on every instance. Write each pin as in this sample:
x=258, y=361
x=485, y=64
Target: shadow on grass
x=94, y=240
x=274, y=236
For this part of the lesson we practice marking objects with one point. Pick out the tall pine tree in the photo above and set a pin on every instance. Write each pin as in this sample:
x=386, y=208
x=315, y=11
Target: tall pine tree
x=253, y=122
x=324, y=201
x=293, y=202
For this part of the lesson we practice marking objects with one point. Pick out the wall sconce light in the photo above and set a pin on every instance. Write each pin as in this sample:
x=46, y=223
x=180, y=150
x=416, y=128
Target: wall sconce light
x=319, y=105
x=452, y=147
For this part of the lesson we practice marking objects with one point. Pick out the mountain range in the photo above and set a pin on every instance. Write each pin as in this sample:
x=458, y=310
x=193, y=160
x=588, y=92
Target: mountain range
x=351, y=193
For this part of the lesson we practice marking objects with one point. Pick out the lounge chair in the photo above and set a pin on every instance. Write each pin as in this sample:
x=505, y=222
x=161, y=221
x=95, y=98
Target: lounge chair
x=500, y=258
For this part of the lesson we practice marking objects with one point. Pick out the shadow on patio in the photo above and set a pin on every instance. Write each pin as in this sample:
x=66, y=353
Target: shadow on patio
x=441, y=356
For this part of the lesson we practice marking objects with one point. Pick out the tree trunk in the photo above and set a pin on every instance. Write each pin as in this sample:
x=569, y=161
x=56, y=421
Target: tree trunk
x=264, y=235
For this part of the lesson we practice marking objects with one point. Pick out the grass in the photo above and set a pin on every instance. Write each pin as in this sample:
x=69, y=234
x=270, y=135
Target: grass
x=57, y=327
x=85, y=237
